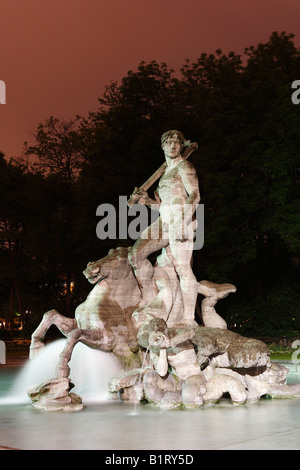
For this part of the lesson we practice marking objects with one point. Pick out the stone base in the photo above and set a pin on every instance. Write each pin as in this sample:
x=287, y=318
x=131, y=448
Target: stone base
x=55, y=395
x=128, y=385
x=204, y=389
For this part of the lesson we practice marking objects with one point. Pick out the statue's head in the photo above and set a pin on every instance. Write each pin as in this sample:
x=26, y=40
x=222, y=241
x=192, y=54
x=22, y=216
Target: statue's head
x=173, y=134
x=114, y=266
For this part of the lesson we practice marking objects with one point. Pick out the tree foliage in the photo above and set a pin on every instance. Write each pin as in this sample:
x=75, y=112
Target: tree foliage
x=59, y=148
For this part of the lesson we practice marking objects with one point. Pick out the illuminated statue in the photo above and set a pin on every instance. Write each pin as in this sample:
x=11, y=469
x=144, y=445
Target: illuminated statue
x=176, y=199
x=144, y=314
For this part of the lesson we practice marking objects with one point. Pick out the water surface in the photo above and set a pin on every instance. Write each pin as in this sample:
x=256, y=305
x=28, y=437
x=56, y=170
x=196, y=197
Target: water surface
x=112, y=425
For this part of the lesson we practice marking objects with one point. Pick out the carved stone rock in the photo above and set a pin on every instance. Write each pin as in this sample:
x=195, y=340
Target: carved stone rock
x=218, y=385
x=229, y=349
x=55, y=395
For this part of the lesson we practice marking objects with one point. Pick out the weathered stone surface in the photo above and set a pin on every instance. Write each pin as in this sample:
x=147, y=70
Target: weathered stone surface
x=125, y=379
x=171, y=400
x=210, y=371
x=129, y=384
x=212, y=294
x=236, y=351
x=156, y=387
x=193, y=390
x=220, y=384
x=275, y=374
x=284, y=391
x=55, y=395
x=256, y=388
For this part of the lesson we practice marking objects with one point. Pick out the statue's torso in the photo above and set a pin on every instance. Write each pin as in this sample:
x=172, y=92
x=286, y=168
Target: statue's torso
x=172, y=194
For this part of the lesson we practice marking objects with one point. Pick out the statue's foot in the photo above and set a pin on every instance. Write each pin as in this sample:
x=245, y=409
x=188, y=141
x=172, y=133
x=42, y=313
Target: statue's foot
x=35, y=349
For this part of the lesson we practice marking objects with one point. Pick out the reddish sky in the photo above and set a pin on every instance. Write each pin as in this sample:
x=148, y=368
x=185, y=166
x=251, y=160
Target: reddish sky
x=58, y=55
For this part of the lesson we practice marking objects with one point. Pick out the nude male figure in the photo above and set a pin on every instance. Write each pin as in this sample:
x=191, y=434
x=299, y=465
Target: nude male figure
x=176, y=198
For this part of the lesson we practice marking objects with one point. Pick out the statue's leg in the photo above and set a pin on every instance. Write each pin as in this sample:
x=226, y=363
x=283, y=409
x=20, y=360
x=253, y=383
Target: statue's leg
x=92, y=338
x=52, y=317
x=151, y=240
x=182, y=254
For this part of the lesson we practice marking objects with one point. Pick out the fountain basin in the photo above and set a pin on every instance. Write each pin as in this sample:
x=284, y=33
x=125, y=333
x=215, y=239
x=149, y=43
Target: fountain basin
x=113, y=425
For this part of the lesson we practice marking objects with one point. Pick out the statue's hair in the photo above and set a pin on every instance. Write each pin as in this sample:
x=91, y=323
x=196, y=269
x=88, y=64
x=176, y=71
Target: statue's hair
x=172, y=133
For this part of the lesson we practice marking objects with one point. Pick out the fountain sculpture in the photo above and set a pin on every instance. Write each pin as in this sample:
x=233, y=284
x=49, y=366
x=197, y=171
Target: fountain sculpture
x=144, y=314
